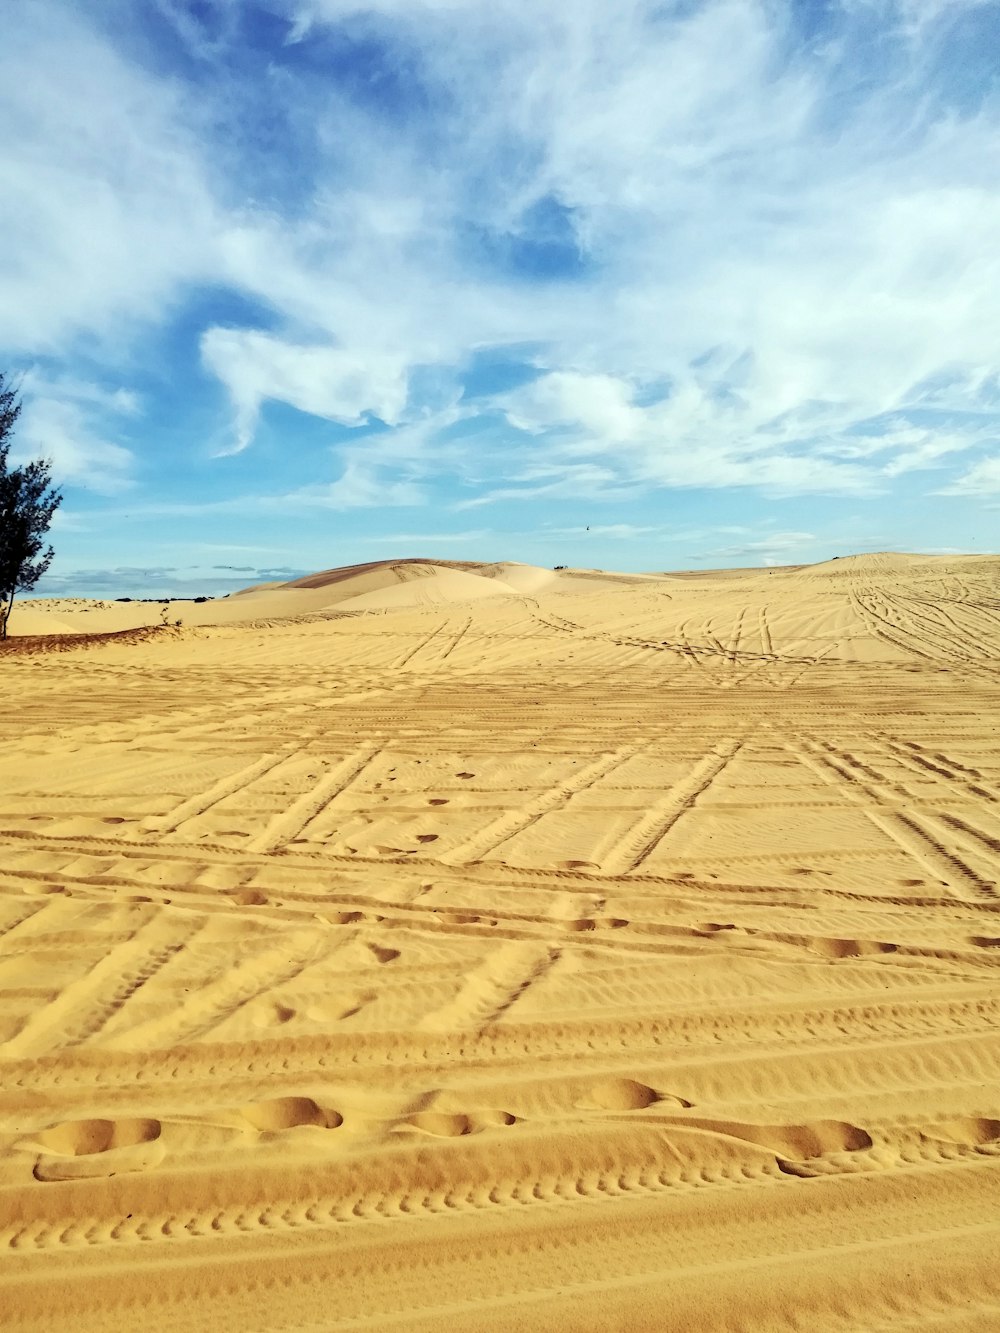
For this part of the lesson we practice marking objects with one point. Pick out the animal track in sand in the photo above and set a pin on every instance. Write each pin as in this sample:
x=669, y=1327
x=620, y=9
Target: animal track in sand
x=282, y=1113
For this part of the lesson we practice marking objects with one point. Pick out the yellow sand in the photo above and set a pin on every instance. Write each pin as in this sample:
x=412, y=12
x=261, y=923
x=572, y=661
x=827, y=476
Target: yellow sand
x=436, y=946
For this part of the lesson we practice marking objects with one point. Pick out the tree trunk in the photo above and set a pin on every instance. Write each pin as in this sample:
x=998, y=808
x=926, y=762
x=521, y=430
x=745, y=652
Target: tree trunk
x=5, y=614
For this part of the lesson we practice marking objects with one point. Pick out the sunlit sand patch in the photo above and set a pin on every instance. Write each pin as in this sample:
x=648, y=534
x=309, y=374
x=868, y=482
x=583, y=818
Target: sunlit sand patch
x=444, y=945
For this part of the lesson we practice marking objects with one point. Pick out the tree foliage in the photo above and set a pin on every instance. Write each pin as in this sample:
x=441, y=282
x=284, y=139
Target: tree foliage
x=27, y=503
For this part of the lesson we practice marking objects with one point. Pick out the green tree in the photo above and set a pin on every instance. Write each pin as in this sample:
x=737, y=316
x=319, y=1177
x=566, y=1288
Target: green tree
x=27, y=503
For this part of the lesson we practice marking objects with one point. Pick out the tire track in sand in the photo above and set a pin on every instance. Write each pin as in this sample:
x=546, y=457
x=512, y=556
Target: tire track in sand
x=505, y=826
x=503, y=976
x=629, y=849
x=201, y=802
x=83, y=1008
x=490, y=990
x=903, y=828
x=289, y=823
x=207, y=1007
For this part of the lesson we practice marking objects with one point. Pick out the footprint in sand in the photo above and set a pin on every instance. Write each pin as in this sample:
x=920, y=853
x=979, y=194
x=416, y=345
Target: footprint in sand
x=383, y=955
x=452, y=1125
x=335, y=1009
x=842, y=948
x=249, y=898
x=90, y=1149
x=79, y=1138
x=803, y=1150
x=969, y=1131
x=281, y=1113
x=626, y=1094
x=271, y=1013
x=621, y=1094
x=341, y=918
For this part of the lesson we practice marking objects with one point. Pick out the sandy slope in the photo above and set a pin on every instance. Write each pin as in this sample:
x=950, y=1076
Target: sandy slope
x=596, y=953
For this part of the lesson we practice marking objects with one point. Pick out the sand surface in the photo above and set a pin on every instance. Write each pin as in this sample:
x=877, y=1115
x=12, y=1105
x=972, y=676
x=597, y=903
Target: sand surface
x=434, y=946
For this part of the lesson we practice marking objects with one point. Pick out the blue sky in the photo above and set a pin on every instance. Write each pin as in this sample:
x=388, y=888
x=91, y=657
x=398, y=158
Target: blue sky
x=636, y=285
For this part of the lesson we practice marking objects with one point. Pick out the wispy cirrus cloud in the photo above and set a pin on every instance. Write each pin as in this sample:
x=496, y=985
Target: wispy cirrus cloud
x=982, y=478
x=64, y=421
x=324, y=381
x=106, y=202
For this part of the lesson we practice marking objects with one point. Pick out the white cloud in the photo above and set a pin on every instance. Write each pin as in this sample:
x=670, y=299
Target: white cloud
x=67, y=421
x=59, y=432
x=360, y=487
x=916, y=15
x=342, y=386
x=909, y=448
x=599, y=404
x=772, y=544
x=570, y=481
x=982, y=479
x=840, y=268
x=205, y=34
x=403, y=539
x=616, y=531
x=701, y=435
x=104, y=204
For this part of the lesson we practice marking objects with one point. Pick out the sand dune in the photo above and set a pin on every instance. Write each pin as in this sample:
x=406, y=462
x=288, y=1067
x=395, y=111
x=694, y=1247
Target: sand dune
x=592, y=951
